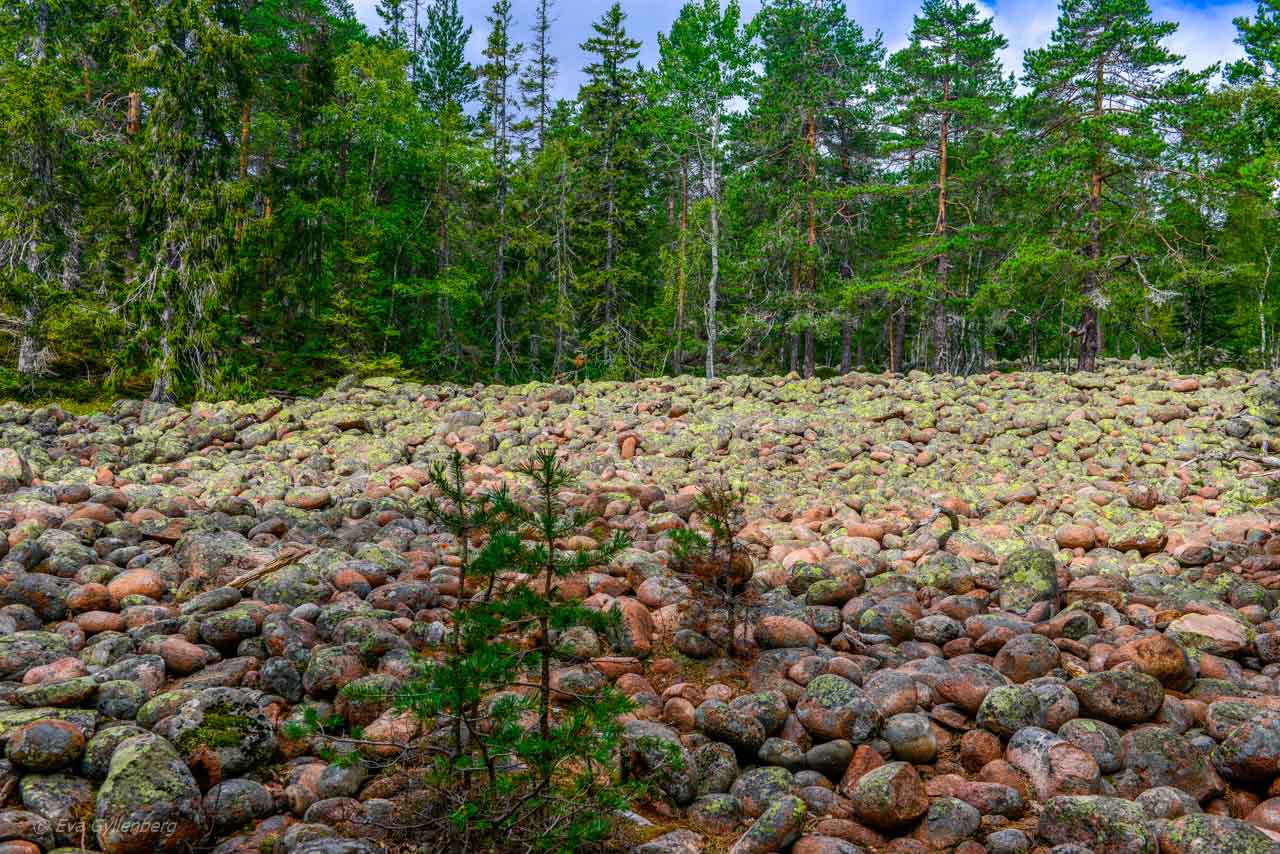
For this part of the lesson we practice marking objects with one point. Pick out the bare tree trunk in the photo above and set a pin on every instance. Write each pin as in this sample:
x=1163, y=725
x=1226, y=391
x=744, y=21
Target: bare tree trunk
x=939, y=305
x=561, y=267
x=609, y=248
x=246, y=112
x=28, y=343
x=1090, y=330
x=713, y=284
x=900, y=336
x=811, y=136
x=682, y=268
x=846, y=345
x=162, y=382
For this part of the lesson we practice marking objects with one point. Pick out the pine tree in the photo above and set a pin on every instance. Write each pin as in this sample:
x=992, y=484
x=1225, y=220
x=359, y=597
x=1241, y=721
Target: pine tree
x=1260, y=38
x=1100, y=90
x=951, y=86
x=817, y=64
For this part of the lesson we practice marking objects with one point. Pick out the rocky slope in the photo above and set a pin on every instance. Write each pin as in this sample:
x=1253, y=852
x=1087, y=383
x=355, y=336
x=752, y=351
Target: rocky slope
x=1088, y=664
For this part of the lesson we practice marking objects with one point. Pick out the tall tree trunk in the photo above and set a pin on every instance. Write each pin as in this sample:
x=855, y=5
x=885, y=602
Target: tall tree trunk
x=562, y=318
x=1090, y=329
x=898, y=343
x=811, y=238
x=846, y=344
x=610, y=208
x=939, y=304
x=713, y=284
x=162, y=382
x=500, y=265
x=793, y=356
x=682, y=267
x=246, y=112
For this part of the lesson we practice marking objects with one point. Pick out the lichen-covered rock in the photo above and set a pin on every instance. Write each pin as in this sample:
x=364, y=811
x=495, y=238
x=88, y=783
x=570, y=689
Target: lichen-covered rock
x=1104, y=825
x=759, y=787
x=1250, y=753
x=833, y=707
x=1122, y=697
x=149, y=801
x=776, y=828
x=1155, y=756
x=224, y=723
x=733, y=726
x=45, y=745
x=653, y=751
x=1054, y=765
x=1214, y=834
x=890, y=796
x=1009, y=708
x=1028, y=576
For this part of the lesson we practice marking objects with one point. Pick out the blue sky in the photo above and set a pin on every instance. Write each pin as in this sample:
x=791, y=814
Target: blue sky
x=1205, y=35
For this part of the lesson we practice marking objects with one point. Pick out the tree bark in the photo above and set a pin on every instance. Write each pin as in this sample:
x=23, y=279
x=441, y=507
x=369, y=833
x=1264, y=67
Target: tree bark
x=846, y=345
x=1090, y=329
x=246, y=112
x=811, y=241
x=713, y=284
x=682, y=267
x=939, y=304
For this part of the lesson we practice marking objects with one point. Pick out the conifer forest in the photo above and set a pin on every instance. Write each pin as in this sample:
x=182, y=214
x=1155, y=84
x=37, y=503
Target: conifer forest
x=236, y=196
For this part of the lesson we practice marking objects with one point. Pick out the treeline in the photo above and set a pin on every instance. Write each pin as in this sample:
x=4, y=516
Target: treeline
x=231, y=196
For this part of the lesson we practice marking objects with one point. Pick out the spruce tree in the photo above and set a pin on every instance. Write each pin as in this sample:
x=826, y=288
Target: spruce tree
x=540, y=74
x=448, y=80
x=44, y=150
x=611, y=148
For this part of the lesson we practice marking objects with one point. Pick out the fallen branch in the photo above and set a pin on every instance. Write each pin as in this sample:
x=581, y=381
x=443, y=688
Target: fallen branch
x=285, y=559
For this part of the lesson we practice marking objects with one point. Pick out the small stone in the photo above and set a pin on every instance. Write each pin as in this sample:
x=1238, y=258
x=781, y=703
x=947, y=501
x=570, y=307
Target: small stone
x=911, y=737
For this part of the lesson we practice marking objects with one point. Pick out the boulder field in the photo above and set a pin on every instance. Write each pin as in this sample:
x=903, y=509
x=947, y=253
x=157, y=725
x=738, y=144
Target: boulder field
x=1090, y=663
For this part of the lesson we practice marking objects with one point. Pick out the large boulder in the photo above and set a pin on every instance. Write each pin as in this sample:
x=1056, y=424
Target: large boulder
x=149, y=801
x=833, y=707
x=1102, y=825
x=222, y=726
x=1121, y=697
x=1214, y=834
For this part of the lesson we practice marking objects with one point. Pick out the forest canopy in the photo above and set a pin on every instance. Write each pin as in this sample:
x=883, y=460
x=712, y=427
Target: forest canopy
x=230, y=197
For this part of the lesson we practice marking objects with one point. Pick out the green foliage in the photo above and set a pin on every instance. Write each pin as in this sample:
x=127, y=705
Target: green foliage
x=515, y=764
x=221, y=198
